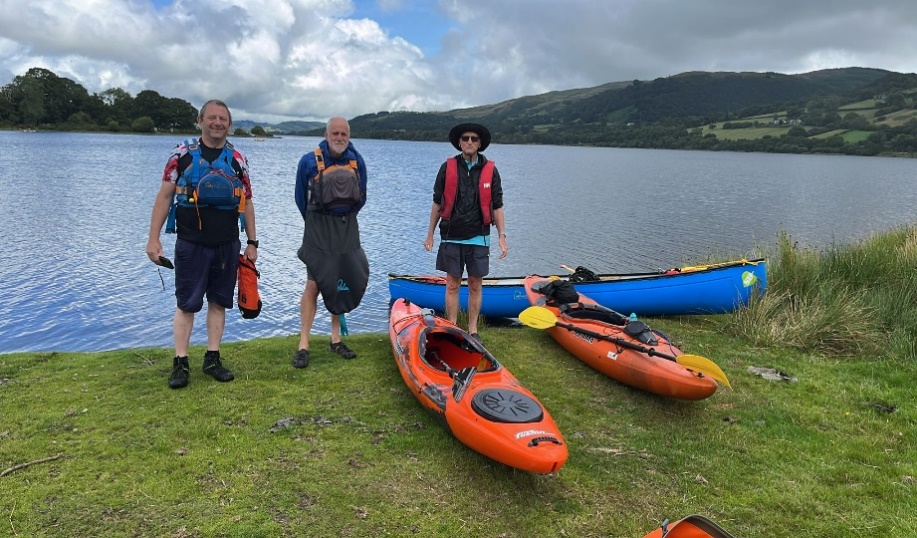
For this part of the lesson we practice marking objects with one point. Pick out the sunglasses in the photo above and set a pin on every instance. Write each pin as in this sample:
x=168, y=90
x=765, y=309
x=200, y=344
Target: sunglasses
x=468, y=138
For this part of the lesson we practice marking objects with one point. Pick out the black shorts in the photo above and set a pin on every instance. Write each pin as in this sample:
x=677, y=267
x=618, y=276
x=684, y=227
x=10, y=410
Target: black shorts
x=205, y=269
x=453, y=258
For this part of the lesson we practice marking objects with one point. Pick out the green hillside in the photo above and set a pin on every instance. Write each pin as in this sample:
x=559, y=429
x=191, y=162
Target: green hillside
x=854, y=110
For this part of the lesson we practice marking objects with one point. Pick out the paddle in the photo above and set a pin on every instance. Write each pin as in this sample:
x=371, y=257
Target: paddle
x=540, y=317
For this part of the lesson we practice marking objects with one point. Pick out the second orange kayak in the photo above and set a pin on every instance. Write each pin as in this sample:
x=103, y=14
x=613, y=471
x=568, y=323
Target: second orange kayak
x=606, y=341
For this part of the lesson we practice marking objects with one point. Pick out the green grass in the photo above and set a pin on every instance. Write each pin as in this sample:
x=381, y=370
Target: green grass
x=344, y=449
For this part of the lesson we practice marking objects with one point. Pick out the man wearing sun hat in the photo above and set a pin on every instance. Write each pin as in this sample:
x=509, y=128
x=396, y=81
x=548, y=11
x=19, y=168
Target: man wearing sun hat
x=467, y=201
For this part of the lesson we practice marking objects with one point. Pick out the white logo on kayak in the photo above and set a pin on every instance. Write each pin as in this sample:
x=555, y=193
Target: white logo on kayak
x=529, y=433
x=748, y=278
x=612, y=355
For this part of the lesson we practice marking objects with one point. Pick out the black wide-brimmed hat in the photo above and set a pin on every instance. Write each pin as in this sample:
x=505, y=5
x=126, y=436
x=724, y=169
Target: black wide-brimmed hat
x=463, y=128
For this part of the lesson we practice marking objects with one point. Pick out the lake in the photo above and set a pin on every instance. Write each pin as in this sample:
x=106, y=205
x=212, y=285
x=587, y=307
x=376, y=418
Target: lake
x=77, y=215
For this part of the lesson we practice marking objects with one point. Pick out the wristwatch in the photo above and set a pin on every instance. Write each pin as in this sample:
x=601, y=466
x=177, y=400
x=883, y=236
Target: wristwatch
x=253, y=242
x=502, y=234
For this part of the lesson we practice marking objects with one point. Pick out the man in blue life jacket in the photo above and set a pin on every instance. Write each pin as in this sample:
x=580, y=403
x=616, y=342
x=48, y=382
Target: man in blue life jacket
x=467, y=200
x=330, y=191
x=209, y=180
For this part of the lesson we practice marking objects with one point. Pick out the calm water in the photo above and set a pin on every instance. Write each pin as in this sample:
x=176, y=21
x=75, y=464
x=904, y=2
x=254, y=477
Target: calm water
x=77, y=210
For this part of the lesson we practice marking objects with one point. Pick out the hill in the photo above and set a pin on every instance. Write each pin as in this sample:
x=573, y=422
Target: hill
x=689, y=110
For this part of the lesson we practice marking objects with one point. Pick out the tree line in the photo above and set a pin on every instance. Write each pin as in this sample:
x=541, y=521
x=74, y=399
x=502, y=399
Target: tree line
x=41, y=99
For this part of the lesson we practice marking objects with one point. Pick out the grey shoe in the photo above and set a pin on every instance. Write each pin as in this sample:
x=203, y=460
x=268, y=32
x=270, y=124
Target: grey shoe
x=180, y=373
x=341, y=349
x=214, y=367
x=301, y=359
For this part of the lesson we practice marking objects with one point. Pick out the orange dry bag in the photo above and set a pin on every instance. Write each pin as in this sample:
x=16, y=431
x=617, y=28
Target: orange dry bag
x=690, y=527
x=249, y=298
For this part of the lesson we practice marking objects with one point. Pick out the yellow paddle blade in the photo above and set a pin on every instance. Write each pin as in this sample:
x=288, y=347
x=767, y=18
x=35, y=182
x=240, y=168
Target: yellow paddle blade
x=704, y=366
x=538, y=317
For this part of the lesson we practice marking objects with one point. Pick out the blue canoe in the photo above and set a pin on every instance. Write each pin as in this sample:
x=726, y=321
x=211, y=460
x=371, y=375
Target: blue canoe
x=702, y=289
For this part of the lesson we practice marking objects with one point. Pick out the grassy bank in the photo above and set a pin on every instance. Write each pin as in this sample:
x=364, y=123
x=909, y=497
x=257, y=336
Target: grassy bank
x=97, y=445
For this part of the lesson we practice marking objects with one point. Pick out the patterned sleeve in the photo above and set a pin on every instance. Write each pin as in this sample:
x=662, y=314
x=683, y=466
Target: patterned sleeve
x=170, y=174
x=246, y=180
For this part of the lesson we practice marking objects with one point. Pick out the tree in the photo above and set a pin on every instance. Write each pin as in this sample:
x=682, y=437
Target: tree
x=143, y=125
x=179, y=114
x=151, y=105
x=119, y=105
x=258, y=130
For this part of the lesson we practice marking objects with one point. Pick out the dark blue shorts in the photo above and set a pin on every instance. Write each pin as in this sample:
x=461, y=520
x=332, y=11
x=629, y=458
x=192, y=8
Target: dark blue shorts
x=454, y=258
x=210, y=270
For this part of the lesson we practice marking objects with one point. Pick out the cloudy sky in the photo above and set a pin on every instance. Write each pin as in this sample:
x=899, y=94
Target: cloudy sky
x=274, y=60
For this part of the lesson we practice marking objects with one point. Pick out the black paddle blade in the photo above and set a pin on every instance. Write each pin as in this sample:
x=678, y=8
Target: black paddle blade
x=461, y=381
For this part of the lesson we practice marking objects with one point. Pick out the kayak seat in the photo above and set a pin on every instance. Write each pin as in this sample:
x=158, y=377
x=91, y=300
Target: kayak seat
x=594, y=312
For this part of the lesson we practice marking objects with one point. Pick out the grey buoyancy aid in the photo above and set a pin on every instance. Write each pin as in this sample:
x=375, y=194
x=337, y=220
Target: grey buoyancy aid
x=450, y=192
x=336, y=188
x=214, y=184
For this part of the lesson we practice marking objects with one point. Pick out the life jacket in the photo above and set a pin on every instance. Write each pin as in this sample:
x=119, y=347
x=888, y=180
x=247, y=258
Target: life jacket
x=208, y=184
x=335, y=189
x=451, y=190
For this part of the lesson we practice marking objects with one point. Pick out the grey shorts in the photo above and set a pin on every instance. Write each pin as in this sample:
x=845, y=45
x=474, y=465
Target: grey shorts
x=454, y=258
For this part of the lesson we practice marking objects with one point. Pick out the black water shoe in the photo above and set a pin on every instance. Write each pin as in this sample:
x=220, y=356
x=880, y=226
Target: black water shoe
x=214, y=367
x=341, y=349
x=301, y=359
x=180, y=373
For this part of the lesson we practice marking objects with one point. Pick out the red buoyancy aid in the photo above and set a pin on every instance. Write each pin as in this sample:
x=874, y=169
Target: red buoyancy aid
x=451, y=190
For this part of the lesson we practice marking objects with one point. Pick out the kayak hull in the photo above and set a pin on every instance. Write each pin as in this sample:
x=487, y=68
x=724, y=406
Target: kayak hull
x=481, y=403
x=709, y=289
x=631, y=367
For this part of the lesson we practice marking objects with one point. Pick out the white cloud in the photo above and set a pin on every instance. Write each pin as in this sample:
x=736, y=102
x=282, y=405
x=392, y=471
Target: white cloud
x=311, y=59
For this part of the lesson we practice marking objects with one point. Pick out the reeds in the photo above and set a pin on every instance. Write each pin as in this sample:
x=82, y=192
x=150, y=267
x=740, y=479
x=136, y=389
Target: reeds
x=858, y=299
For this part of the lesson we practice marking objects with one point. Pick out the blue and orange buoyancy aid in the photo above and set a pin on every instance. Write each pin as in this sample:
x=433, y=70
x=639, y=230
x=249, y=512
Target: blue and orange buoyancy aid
x=204, y=183
x=450, y=192
x=335, y=189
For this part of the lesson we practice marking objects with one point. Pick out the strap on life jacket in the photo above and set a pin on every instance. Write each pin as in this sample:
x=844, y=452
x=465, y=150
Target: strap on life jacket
x=320, y=162
x=450, y=192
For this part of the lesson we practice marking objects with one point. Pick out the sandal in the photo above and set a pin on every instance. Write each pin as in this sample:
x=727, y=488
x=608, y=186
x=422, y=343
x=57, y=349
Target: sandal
x=341, y=349
x=301, y=359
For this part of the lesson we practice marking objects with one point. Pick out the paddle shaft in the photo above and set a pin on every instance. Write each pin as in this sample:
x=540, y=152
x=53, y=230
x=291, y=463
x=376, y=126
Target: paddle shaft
x=449, y=370
x=620, y=341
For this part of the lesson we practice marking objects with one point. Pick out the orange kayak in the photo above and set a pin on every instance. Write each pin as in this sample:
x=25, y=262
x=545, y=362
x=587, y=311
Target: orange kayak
x=475, y=396
x=610, y=343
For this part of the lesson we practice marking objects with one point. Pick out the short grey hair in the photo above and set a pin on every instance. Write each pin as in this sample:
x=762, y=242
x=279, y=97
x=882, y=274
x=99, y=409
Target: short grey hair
x=218, y=103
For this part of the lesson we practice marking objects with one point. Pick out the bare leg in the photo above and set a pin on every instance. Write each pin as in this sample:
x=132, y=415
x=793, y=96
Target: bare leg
x=335, y=328
x=474, y=301
x=216, y=322
x=307, y=307
x=181, y=331
x=452, y=296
